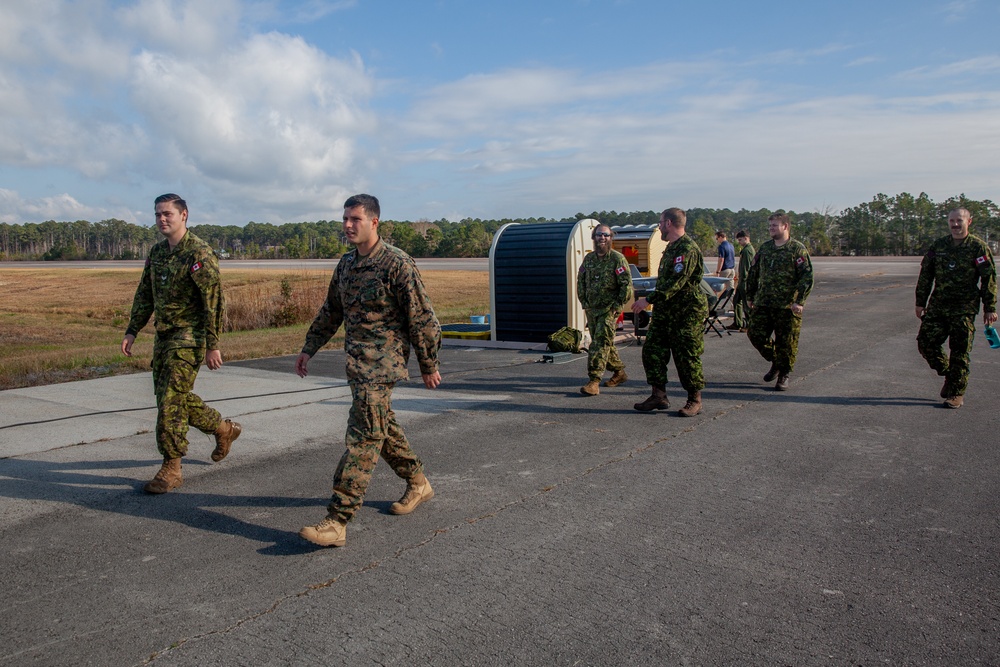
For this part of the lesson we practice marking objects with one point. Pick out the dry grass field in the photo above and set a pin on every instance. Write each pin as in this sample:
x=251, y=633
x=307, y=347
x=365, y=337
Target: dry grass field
x=58, y=325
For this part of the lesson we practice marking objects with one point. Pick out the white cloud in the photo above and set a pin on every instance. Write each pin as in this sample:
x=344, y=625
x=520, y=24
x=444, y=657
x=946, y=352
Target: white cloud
x=980, y=65
x=15, y=209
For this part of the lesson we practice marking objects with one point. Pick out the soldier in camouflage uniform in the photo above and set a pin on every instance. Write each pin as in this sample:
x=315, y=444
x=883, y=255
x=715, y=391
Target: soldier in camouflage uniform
x=604, y=286
x=741, y=309
x=956, y=274
x=181, y=285
x=377, y=294
x=679, y=312
x=779, y=281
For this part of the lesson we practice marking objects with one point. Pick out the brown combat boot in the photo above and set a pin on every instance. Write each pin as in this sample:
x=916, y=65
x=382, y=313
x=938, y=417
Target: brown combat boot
x=771, y=374
x=954, y=402
x=225, y=436
x=693, y=405
x=656, y=401
x=418, y=490
x=592, y=388
x=616, y=379
x=167, y=479
x=782, y=383
x=330, y=532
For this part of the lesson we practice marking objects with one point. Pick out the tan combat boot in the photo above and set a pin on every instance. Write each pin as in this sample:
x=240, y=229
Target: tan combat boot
x=225, y=436
x=592, y=388
x=782, y=383
x=954, y=402
x=693, y=405
x=618, y=378
x=167, y=479
x=330, y=532
x=656, y=401
x=418, y=490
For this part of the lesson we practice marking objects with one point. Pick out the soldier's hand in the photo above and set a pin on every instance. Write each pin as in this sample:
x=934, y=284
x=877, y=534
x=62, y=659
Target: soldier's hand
x=989, y=318
x=920, y=313
x=431, y=380
x=796, y=308
x=127, y=345
x=213, y=359
x=639, y=305
x=302, y=365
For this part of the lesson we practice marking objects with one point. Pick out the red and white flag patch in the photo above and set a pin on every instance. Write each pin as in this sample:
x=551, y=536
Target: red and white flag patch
x=678, y=260
x=620, y=270
x=981, y=260
x=800, y=261
x=195, y=266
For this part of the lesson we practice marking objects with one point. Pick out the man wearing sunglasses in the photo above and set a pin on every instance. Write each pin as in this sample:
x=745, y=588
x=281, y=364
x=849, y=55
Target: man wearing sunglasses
x=604, y=286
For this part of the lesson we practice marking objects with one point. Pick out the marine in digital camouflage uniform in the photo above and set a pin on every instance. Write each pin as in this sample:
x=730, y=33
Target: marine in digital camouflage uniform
x=956, y=274
x=741, y=309
x=180, y=285
x=779, y=282
x=679, y=312
x=604, y=286
x=378, y=295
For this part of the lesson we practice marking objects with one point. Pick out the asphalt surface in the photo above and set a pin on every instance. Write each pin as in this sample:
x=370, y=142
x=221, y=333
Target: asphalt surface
x=849, y=521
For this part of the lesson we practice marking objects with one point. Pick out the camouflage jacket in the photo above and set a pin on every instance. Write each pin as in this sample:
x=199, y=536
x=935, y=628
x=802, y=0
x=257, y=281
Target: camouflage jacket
x=182, y=287
x=780, y=276
x=678, y=283
x=604, y=283
x=957, y=277
x=381, y=301
x=746, y=261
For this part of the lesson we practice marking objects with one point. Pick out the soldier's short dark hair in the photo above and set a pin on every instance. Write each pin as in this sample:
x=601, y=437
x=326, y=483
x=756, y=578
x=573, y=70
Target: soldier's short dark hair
x=676, y=216
x=171, y=198
x=720, y=234
x=367, y=202
x=781, y=217
x=742, y=234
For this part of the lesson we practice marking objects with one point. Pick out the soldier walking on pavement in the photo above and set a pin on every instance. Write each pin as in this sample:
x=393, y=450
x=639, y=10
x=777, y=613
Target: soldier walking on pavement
x=679, y=312
x=955, y=274
x=181, y=285
x=741, y=309
x=604, y=286
x=378, y=295
x=780, y=279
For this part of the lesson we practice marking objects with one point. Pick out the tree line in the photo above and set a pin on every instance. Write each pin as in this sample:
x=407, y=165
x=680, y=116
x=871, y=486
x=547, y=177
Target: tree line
x=897, y=225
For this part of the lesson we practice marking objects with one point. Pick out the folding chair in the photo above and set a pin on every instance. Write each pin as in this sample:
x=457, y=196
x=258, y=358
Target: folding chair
x=718, y=311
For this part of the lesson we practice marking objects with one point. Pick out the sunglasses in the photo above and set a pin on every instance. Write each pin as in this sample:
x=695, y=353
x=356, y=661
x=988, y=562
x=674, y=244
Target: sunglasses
x=602, y=235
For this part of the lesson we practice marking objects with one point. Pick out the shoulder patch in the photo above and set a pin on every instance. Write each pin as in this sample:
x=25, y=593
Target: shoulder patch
x=799, y=261
x=981, y=260
x=620, y=270
x=195, y=266
x=678, y=259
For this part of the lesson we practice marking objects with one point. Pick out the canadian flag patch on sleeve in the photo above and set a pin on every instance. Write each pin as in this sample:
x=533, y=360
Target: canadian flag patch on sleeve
x=678, y=260
x=800, y=261
x=620, y=270
x=195, y=266
x=981, y=260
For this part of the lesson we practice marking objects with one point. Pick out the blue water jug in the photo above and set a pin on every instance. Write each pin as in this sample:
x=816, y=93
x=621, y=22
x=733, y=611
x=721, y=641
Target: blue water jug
x=992, y=336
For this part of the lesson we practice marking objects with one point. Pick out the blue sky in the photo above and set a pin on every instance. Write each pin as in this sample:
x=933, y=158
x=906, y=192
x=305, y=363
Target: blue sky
x=276, y=111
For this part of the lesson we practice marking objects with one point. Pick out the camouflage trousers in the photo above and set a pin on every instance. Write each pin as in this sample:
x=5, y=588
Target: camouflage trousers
x=741, y=309
x=371, y=430
x=960, y=330
x=177, y=406
x=602, y=353
x=785, y=325
x=679, y=335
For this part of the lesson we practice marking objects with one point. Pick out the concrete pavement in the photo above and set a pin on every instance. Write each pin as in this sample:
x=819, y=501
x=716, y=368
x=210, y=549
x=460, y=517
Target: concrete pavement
x=851, y=520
